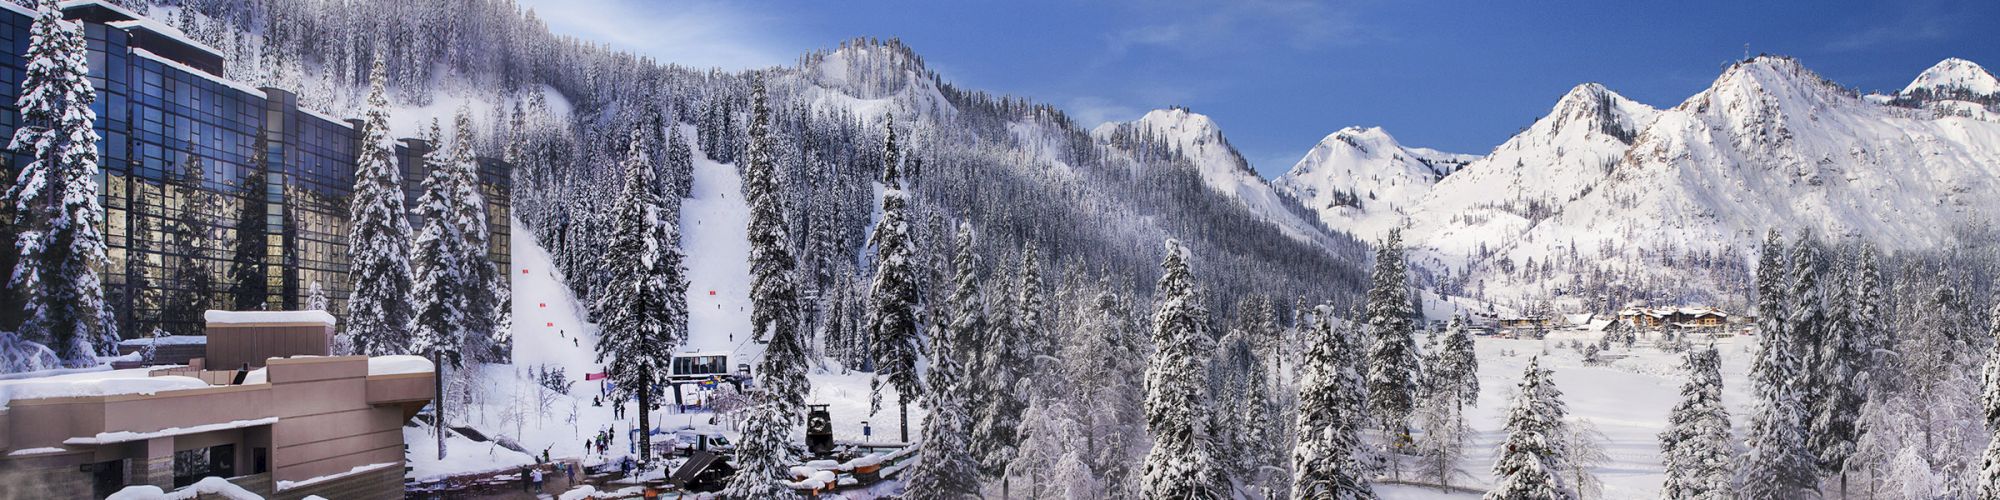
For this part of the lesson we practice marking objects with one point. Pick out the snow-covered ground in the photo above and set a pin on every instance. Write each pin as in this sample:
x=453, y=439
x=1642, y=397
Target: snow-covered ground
x=1626, y=399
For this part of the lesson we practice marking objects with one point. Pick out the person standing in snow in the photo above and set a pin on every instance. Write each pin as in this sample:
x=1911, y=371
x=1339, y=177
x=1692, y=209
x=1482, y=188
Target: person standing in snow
x=537, y=475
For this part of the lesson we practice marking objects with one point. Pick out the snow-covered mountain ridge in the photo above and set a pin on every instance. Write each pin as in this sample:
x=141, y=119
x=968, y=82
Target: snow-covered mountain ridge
x=1200, y=140
x=1364, y=181
x=1769, y=145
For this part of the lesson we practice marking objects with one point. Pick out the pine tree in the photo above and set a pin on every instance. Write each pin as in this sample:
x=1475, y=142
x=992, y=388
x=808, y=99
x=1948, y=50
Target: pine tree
x=1870, y=333
x=481, y=281
x=1779, y=464
x=438, y=330
x=249, y=281
x=378, y=308
x=637, y=323
x=316, y=298
x=680, y=163
x=189, y=237
x=1332, y=409
x=946, y=468
x=1989, y=471
x=1696, y=446
x=440, y=287
x=1030, y=311
x=1182, y=462
x=1451, y=384
x=1393, y=364
x=774, y=285
x=1533, y=462
x=55, y=195
x=1839, y=363
x=763, y=455
x=892, y=301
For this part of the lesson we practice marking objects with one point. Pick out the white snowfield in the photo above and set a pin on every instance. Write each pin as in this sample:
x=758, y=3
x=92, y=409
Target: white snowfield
x=396, y=365
x=1627, y=399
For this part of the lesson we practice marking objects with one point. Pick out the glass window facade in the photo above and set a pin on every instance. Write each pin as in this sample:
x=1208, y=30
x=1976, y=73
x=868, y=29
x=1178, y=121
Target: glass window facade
x=154, y=114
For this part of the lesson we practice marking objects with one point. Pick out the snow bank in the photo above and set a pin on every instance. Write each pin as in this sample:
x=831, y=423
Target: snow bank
x=207, y=486
x=392, y=365
x=264, y=317
x=94, y=383
x=34, y=451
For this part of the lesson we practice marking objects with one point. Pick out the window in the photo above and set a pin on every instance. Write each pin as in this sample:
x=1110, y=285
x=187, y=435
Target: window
x=192, y=465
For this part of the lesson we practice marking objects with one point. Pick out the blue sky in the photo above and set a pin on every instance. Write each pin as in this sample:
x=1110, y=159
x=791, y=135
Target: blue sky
x=1280, y=74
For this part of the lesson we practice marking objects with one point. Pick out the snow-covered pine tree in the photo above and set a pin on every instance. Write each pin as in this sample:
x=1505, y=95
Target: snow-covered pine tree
x=439, y=328
x=1457, y=369
x=636, y=324
x=1779, y=462
x=1806, y=321
x=1030, y=313
x=1697, y=447
x=56, y=194
x=763, y=454
x=1838, y=367
x=1393, y=364
x=946, y=468
x=1332, y=407
x=1867, y=319
x=1989, y=470
x=482, y=282
x=1533, y=463
x=892, y=300
x=998, y=401
x=1452, y=383
x=680, y=162
x=774, y=288
x=378, y=308
x=1181, y=464
x=316, y=297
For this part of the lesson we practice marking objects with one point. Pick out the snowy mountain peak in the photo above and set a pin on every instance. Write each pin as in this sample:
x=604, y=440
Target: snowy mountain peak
x=1362, y=179
x=1954, y=75
x=1592, y=108
x=1200, y=140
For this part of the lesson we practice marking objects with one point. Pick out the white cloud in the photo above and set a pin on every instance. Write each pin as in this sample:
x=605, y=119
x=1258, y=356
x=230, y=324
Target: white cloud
x=698, y=34
x=1089, y=112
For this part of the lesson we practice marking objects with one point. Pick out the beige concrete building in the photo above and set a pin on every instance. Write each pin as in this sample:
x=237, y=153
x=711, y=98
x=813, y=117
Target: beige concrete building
x=307, y=425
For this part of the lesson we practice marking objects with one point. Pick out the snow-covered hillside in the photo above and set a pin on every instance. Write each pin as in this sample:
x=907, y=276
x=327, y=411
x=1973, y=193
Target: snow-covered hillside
x=1769, y=145
x=1201, y=141
x=1529, y=177
x=1955, y=74
x=1363, y=181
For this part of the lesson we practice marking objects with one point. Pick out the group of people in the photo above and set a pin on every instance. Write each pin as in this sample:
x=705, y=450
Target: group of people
x=532, y=477
x=601, y=443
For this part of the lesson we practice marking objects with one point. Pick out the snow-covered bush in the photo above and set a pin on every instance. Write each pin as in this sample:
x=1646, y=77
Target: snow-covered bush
x=19, y=355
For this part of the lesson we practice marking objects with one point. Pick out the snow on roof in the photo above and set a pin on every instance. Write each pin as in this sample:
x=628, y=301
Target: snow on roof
x=95, y=383
x=167, y=340
x=267, y=317
x=35, y=451
x=163, y=29
x=392, y=365
x=240, y=86
x=328, y=118
x=17, y=9
x=286, y=485
x=129, y=436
